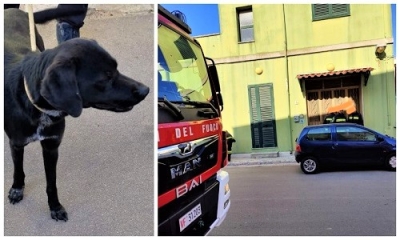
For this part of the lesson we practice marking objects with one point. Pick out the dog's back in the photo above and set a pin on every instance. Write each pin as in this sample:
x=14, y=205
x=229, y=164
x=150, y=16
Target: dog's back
x=16, y=34
x=16, y=46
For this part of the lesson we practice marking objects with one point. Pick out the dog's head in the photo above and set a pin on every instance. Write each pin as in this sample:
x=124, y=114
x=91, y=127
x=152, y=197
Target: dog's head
x=81, y=74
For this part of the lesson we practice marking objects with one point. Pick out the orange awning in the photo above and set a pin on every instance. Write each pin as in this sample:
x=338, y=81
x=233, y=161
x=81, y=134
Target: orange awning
x=335, y=73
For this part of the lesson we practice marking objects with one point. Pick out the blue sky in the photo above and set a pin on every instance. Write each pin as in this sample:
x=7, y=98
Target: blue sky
x=394, y=27
x=203, y=18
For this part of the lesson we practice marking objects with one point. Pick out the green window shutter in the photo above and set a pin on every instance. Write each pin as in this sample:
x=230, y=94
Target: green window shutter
x=328, y=11
x=340, y=10
x=320, y=11
x=263, y=126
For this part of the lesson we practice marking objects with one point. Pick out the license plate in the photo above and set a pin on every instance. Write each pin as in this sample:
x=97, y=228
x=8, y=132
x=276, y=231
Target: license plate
x=189, y=217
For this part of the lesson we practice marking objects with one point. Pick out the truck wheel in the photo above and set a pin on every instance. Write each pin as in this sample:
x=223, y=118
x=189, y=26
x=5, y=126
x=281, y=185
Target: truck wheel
x=309, y=165
x=391, y=162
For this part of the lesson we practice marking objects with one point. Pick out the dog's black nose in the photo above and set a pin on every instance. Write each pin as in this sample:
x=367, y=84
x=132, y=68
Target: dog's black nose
x=141, y=92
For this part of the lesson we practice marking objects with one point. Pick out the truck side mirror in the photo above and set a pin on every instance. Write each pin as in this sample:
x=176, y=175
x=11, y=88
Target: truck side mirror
x=212, y=69
x=214, y=75
x=221, y=102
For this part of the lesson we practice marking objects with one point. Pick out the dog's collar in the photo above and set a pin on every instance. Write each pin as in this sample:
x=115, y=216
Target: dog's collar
x=53, y=113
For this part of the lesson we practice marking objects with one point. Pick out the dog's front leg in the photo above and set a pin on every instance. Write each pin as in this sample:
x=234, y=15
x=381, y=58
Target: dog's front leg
x=50, y=157
x=16, y=192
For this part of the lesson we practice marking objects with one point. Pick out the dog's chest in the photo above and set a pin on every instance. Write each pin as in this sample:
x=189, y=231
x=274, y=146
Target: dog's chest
x=39, y=135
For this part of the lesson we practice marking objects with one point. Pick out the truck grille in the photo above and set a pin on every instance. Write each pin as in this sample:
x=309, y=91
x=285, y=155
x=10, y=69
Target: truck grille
x=179, y=163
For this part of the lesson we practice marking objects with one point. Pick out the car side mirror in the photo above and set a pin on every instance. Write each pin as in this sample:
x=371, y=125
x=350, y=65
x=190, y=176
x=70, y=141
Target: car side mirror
x=379, y=138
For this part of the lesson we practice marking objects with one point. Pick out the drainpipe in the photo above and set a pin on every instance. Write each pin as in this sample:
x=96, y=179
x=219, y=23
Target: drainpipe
x=386, y=71
x=287, y=79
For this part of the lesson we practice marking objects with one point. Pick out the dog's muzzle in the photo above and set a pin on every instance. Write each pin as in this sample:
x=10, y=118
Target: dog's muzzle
x=138, y=95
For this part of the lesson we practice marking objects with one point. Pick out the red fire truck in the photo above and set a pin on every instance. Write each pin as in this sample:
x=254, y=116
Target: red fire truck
x=193, y=190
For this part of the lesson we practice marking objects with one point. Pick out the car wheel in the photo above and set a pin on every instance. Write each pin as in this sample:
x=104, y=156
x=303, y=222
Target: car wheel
x=309, y=165
x=391, y=162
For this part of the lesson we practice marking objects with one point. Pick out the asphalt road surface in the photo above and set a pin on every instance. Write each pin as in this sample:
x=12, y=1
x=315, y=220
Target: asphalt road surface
x=282, y=201
x=105, y=174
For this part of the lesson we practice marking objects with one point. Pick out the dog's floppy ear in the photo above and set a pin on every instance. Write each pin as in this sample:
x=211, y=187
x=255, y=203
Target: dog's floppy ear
x=60, y=88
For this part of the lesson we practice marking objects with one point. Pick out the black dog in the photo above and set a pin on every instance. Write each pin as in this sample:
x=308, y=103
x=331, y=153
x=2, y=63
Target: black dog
x=42, y=88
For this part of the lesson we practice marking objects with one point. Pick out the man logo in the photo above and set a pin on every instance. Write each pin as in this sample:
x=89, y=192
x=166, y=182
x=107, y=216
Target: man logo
x=185, y=148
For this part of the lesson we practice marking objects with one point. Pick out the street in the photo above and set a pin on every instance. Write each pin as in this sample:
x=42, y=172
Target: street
x=105, y=169
x=279, y=200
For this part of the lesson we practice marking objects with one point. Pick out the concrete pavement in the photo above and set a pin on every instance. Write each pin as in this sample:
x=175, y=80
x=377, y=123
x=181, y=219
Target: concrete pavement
x=106, y=9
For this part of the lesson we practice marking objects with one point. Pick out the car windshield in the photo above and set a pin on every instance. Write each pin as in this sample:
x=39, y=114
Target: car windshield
x=182, y=72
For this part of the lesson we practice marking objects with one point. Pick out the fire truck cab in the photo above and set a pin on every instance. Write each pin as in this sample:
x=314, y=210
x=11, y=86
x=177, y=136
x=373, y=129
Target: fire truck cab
x=193, y=188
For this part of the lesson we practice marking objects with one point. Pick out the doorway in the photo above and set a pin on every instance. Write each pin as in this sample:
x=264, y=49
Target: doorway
x=328, y=92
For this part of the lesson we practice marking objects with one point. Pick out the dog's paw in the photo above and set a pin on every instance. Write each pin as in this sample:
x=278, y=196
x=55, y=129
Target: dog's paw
x=59, y=214
x=15, y=195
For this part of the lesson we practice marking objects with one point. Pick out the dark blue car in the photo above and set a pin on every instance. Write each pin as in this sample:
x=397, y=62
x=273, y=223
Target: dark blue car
x=343, y=144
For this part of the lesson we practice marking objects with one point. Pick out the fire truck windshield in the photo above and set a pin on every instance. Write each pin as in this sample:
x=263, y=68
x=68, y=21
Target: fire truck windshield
x=182, y=71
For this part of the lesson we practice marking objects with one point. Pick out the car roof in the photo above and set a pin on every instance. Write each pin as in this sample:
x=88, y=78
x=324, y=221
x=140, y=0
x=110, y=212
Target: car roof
x=333, y=124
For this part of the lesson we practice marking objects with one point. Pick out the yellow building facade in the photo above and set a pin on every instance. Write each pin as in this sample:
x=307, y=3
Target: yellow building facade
x=283, y=66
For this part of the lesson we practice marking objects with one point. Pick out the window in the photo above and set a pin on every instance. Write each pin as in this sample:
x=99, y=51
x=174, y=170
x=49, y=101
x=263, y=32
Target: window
x=263, y=127
x=347, y=133
x=246, y=26
x=327, y=11
x=319, y=134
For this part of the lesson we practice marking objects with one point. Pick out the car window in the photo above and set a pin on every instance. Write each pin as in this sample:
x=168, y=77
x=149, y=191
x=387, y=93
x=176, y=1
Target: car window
x=319, y=134
x=351, y=133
